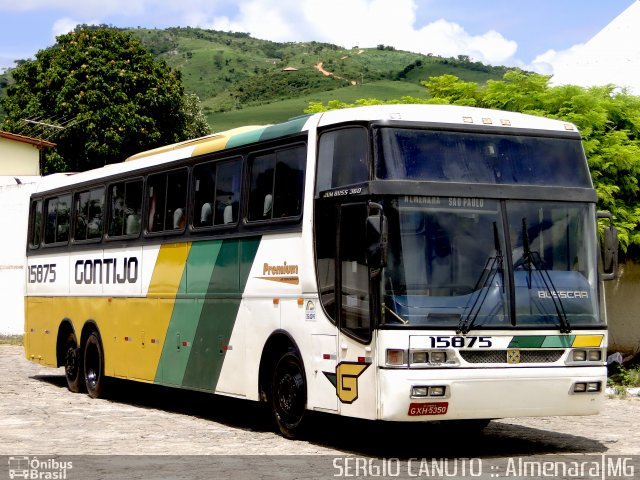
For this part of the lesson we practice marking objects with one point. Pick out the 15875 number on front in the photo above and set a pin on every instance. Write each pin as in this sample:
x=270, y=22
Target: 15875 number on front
x=460, y=342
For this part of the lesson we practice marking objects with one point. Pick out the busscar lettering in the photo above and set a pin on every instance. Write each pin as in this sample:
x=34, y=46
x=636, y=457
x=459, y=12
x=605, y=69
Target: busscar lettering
x=562, y=294
x=106, y=271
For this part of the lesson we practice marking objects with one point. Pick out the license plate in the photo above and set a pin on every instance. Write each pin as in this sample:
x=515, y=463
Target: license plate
x=434, y=408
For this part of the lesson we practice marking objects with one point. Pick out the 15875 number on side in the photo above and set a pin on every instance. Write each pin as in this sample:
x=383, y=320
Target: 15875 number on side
x=42, y=273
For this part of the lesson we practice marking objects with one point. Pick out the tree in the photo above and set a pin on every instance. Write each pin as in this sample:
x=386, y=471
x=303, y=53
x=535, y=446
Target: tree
x=112, y=97
x=608, y=119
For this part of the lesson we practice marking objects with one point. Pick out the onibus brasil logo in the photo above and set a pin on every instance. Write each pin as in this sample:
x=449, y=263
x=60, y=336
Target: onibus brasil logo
x=35, y=468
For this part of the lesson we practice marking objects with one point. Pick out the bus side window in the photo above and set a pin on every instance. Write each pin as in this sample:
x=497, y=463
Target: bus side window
x=276, y=184
x=36, y=224
x=125, y=200
x=167, y=193
x=204, y=179
x=228, y=176
x=343, y=158
x=88, y=214
x=57, y=224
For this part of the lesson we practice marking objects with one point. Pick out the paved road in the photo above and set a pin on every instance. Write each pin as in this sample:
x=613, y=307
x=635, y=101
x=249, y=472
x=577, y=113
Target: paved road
x=39, y=416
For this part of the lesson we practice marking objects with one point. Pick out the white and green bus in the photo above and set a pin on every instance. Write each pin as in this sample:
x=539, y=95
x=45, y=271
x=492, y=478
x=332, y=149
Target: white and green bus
x=405, y=263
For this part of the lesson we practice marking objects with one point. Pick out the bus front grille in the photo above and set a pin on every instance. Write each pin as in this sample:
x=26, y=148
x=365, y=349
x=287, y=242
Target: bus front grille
x=501, y=356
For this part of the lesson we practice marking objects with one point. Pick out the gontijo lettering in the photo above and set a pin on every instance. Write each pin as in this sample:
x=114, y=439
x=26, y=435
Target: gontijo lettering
x=107, y=270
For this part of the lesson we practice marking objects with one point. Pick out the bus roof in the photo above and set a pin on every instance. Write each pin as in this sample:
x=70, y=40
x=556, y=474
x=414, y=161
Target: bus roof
x=440, y=114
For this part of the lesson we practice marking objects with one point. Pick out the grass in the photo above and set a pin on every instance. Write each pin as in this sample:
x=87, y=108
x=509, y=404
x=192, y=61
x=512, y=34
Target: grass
x=10, y=339
x=281, y=111
x=625, y=377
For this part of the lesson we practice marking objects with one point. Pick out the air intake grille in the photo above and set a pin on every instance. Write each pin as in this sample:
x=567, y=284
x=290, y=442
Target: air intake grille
x=500, y=356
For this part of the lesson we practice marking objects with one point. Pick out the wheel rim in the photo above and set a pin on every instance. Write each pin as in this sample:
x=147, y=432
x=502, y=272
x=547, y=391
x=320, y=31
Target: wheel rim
x=93, y=365
x=71, y=363
x=290, y=394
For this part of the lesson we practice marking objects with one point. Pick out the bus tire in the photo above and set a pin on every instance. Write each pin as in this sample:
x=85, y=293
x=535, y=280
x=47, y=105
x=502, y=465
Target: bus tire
x=93, y=365
x=289, y=394
x=73, y=371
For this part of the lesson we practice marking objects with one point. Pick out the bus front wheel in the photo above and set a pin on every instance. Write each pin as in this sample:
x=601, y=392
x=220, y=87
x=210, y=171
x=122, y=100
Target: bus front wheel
x=73, y=364
x=289, y=394
x=93, y=365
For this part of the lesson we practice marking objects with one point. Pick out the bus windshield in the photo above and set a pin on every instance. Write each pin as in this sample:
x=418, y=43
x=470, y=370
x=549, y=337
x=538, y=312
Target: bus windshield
x=490, y=158
x=448, y=266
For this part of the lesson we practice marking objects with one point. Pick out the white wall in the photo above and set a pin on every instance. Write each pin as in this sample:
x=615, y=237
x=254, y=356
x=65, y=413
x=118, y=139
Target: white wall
x=623, y=309
x=18, y=158
x=14, y=212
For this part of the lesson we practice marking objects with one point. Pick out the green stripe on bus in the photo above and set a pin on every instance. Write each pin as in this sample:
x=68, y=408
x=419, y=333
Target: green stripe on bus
x=182, y=327
x=562, y=341
x=244, y=138
x=218, y=315
x=282, y=129
x=541, y=341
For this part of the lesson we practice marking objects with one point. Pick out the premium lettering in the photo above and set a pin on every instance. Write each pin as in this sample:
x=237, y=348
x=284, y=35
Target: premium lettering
x=279, y=269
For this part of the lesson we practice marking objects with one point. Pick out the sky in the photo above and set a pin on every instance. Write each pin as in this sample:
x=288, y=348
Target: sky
x=531, y=34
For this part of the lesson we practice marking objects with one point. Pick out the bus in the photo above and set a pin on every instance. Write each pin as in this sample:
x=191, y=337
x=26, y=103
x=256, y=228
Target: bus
x=406, y=263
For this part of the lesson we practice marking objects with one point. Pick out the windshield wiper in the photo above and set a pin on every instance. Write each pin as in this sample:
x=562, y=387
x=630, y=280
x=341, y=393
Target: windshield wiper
x=492, y=266
x=532, y=259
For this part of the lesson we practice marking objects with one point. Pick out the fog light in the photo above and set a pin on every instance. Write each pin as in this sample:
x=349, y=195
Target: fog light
x=419, y=357
x=594, y=355
x=395, y=357
x=593, y=387
x=580, y=387
x=419, y=391
x=579, y=355
x=437, y=391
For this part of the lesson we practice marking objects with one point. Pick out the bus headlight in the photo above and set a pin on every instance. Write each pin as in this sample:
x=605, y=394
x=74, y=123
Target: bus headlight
x=594, y=355
x=438, y=357
x=419, y=357
x=579, y=355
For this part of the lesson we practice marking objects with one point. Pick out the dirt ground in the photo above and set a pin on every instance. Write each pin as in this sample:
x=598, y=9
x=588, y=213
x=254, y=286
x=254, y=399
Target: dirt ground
x=39, y=416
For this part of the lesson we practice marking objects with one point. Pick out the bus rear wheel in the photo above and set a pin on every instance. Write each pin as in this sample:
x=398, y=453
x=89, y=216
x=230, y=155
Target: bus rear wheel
x=94, y=365
x=73, y=364
x=289, y=394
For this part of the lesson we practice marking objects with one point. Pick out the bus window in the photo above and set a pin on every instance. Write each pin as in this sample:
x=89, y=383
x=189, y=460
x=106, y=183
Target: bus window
x=217, y=193
x=125, y=200
x=276, y=182
x=36, y=224
x=57, y=226
x=167, y=194
x=88, y=214
x=343, y=158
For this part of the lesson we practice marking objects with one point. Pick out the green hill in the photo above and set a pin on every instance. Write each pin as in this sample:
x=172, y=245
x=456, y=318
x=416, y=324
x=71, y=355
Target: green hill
x=243, y=80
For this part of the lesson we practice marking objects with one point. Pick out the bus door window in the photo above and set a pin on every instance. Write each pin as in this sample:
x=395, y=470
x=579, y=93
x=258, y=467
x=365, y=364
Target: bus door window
x=343, y=158
x=355, y=316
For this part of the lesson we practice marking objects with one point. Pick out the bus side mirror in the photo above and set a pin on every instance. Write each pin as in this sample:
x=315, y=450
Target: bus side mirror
x=609, y=249
x=376, y=235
